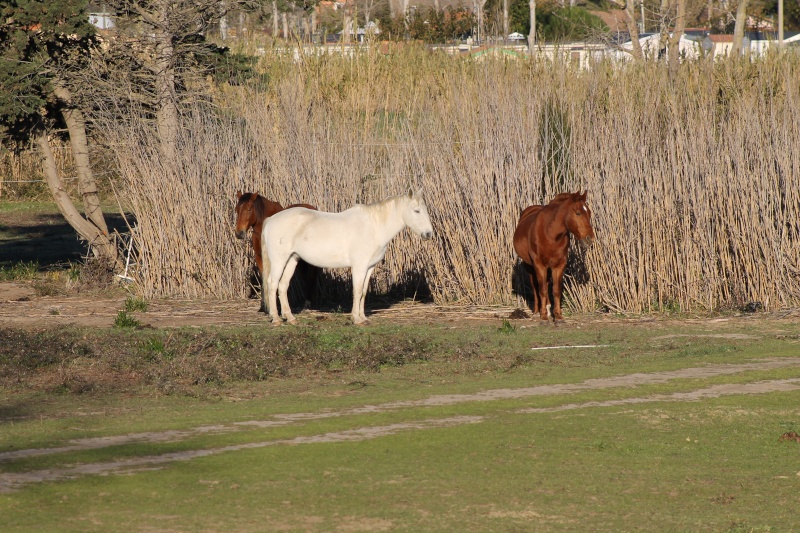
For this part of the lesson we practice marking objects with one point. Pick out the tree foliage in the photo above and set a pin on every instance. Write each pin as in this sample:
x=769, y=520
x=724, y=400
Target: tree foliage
x=569, y=24
x=40, y=43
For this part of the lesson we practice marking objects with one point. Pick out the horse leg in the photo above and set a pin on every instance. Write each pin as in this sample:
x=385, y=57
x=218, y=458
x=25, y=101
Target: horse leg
x=359, y=274
x=270, y=286
x=541, y=278
x=283, y=289
x=364, y=292
x=534, y=288
x=558, y=280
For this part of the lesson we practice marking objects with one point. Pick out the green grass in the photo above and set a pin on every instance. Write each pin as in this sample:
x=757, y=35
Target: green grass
x=711, y=465
x=22, y=271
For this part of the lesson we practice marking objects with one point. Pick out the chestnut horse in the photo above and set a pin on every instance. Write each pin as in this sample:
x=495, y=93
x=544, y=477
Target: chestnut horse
x=542, y=239
x=251, y=211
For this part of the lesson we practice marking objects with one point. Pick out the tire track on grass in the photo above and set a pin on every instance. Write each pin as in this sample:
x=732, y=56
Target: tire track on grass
x=13, y=481
x=10, y=482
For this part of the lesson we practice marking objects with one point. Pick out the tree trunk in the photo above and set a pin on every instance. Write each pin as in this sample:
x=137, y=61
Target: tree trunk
x=633, y=30
x=738, y=28
x=505, y=20
x=675, y=40
x=100, y=245
x=167, y=115
x=76, y=125
x=663, y=28
x=274, y=19
x=532, y=19
x=480, y=21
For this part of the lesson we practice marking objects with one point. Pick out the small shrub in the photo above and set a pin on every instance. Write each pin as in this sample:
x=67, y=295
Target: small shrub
x=507, y=327
x=135, y=304
x=124, y=320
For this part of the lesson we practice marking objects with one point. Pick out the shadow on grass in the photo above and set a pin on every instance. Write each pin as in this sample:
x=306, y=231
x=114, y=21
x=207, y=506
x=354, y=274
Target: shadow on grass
x=45, y=239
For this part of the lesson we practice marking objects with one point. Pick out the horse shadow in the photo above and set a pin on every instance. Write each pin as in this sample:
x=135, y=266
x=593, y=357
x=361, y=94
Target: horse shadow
x=575, y=273
x=303, y=289
x=334, y=294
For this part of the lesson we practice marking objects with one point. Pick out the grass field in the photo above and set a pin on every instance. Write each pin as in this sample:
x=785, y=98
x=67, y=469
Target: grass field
x=662, y=425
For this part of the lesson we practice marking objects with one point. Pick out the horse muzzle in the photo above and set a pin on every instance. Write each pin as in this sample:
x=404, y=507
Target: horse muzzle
x=241, y=234
x=426, y=235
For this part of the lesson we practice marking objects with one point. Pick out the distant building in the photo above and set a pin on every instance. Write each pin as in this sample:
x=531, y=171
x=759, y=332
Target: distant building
x=100, y=16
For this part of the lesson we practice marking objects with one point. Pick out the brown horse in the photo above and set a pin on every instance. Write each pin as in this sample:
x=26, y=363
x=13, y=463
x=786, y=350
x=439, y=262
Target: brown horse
x=542, y=239
x=252, y=210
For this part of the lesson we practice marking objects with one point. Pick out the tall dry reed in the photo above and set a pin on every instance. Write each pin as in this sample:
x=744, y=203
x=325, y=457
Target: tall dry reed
x=692, y=181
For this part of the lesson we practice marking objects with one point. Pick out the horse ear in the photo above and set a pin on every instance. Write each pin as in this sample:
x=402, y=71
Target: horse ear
x=410, y=192
x=238, y=195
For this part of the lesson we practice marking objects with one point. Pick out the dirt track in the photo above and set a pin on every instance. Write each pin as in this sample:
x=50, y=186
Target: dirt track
x=20, y=307
x=10, y=482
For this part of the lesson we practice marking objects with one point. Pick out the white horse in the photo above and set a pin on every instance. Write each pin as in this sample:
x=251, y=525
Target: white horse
x=355, y=238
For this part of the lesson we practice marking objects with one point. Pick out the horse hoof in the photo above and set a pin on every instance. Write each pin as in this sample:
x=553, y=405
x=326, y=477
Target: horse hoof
x=292, y=320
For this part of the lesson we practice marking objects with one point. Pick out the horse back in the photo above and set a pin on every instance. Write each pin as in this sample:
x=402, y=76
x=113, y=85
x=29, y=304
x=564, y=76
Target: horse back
x=522, y=232
x=307, y=206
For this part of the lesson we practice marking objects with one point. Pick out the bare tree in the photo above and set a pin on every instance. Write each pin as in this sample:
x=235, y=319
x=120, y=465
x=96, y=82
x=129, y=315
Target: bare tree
x=76, y=125
x=739, y=27
x=162, y=45
x=505, y=20
x=100, y=243
x=633, y=29
x=675, y=39
x=532, y=20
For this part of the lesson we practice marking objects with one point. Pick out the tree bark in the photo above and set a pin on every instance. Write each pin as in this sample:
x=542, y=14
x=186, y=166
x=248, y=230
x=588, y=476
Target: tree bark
x=274, y=19
x=633, y=31
x=505, y=20
x=532, y=20
x=675, y=40
x=100, y=244
x=167, y=115
x=738, y=28
x=76, y=125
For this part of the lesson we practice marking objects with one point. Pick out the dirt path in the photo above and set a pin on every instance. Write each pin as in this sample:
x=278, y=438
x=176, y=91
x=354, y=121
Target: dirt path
x=21, y=307
x=14, y=481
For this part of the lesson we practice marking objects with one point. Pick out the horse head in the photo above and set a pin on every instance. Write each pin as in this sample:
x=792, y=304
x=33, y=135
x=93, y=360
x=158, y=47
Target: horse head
x=245, y=213
x=415, y=214
x=579, y=218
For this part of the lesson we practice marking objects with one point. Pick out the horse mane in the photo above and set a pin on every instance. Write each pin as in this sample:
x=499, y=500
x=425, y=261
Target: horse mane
x=560, y=197
x=260, y=204
x=525, y=212
x=260, y=207
x=379, y=208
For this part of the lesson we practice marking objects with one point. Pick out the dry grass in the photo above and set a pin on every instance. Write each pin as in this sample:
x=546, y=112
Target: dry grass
x=693, y=180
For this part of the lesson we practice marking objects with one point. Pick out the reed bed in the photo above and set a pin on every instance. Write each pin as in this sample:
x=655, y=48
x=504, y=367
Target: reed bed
x=692, y=180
